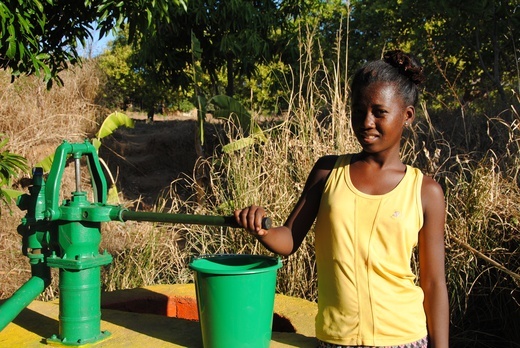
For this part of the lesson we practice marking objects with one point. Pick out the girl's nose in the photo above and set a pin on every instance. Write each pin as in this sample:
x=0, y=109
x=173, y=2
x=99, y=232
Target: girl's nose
x=368, y=121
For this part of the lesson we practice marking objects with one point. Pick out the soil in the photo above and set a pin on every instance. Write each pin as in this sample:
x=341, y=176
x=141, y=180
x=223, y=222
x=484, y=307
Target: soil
x=146, y=159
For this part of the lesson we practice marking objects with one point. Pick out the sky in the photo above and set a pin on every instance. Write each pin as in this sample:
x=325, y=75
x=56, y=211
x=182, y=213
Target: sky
x=95, y=46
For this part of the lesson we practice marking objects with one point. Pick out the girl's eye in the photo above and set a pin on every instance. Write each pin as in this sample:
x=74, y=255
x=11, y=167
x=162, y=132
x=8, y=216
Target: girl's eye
x=380, y=112
x=357, y=113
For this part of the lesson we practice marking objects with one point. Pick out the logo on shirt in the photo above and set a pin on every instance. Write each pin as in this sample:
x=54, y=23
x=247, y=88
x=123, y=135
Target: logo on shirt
x=396, y=214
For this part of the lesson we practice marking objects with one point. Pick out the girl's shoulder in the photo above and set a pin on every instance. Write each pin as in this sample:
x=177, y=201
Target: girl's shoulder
x=432, y=194
x=430, y=187
x=327, y=162
x=321, y=169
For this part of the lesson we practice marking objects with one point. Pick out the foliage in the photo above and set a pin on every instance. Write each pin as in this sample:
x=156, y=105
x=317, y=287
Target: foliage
x=250, y=133
x=10, y=165
x=110, y=124
x=122, y=85
x=232, y=35
x=465, y=62
x=266, y=88
x=225, y=107
x=184, y=105
x=469, y=50
x=41, y=36
x=481, y=44
x=37, y=37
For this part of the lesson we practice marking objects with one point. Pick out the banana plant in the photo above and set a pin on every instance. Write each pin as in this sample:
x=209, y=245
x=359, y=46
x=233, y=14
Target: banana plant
x=10, y=164
x=230, y=109
x=109, y=125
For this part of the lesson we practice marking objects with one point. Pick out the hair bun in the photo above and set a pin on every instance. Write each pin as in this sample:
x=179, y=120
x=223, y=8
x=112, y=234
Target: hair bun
x=406, y=65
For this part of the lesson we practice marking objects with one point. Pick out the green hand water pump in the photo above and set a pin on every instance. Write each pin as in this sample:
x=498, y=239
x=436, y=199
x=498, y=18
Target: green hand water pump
x=67, y=236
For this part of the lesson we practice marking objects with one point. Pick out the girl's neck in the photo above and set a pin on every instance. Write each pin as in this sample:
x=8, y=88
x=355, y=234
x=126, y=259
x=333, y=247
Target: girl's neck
x=376, y=175
x=383, y=161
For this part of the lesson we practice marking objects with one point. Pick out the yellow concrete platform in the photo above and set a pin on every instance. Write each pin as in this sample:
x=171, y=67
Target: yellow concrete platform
x=130, y=329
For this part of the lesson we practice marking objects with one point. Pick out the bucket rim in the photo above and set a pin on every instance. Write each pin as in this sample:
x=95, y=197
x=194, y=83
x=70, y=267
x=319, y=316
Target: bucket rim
x=195, y=264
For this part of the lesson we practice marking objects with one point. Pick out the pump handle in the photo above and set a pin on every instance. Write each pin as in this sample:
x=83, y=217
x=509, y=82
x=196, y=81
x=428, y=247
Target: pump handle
x=228, y=221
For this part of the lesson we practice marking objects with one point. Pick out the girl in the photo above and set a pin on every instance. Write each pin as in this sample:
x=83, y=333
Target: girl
x=371, y=210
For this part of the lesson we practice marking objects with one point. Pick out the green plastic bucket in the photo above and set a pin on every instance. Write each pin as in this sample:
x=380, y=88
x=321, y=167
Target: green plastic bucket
x=235, y=299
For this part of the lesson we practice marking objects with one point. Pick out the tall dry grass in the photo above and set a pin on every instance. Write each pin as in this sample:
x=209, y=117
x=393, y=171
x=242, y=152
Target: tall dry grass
x=33, y=117
x=479, y=173
x=36, y=121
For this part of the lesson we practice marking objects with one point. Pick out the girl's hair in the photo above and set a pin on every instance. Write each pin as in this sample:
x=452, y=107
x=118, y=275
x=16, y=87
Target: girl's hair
x=396, y=67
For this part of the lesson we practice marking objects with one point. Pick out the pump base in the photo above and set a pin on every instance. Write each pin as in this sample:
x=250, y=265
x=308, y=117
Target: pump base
x=54, y=340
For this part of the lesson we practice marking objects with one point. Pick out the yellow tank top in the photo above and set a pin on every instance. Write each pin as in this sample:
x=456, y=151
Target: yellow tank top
x=364, y=243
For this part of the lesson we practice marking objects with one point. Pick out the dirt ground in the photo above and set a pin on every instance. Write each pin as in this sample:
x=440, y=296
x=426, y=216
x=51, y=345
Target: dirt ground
x=146, y=159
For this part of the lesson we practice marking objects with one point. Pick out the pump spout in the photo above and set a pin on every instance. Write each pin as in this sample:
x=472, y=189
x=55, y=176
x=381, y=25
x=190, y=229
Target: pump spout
x=20, y=299
x=25, y=294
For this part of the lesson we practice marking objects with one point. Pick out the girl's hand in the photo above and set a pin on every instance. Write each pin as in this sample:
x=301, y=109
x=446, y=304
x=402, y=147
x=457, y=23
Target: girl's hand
x=250, y=218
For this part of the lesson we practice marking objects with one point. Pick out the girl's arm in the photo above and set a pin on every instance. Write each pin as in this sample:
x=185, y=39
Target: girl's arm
x=431, y=262
x=286, y=239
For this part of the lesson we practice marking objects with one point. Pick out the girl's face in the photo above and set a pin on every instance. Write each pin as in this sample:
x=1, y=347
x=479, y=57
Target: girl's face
x=379, y=114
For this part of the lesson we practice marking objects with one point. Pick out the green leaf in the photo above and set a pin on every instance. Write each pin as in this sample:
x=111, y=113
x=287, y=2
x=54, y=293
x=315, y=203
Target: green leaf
x=3, y=142
x=11, y=194
x=238, y=144
x=257, y=137
x=46, y=163
x=201, y=116
x=25, y=25
x=229, y=108
x=113, y=195
x=112, y=122
x=195, y=47
x=39, y=5
x=36, y=65
x=258, y=133
x=96, y=143
x=47, y=71
x=11, y=48
x=43, y=56
x=21, y=49
x=149, y=16
x=10, y=163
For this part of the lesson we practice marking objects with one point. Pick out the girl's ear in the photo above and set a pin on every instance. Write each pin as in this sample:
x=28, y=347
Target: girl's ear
x=409, y=115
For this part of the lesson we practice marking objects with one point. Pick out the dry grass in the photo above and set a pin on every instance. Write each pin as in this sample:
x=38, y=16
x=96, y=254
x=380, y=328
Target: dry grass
x=36, y=121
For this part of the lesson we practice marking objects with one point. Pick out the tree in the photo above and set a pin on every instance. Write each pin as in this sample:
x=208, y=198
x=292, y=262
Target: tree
x=41, y=36
x=467, y=48
x=481, y=35
x=122, y=84
x=234, y=36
